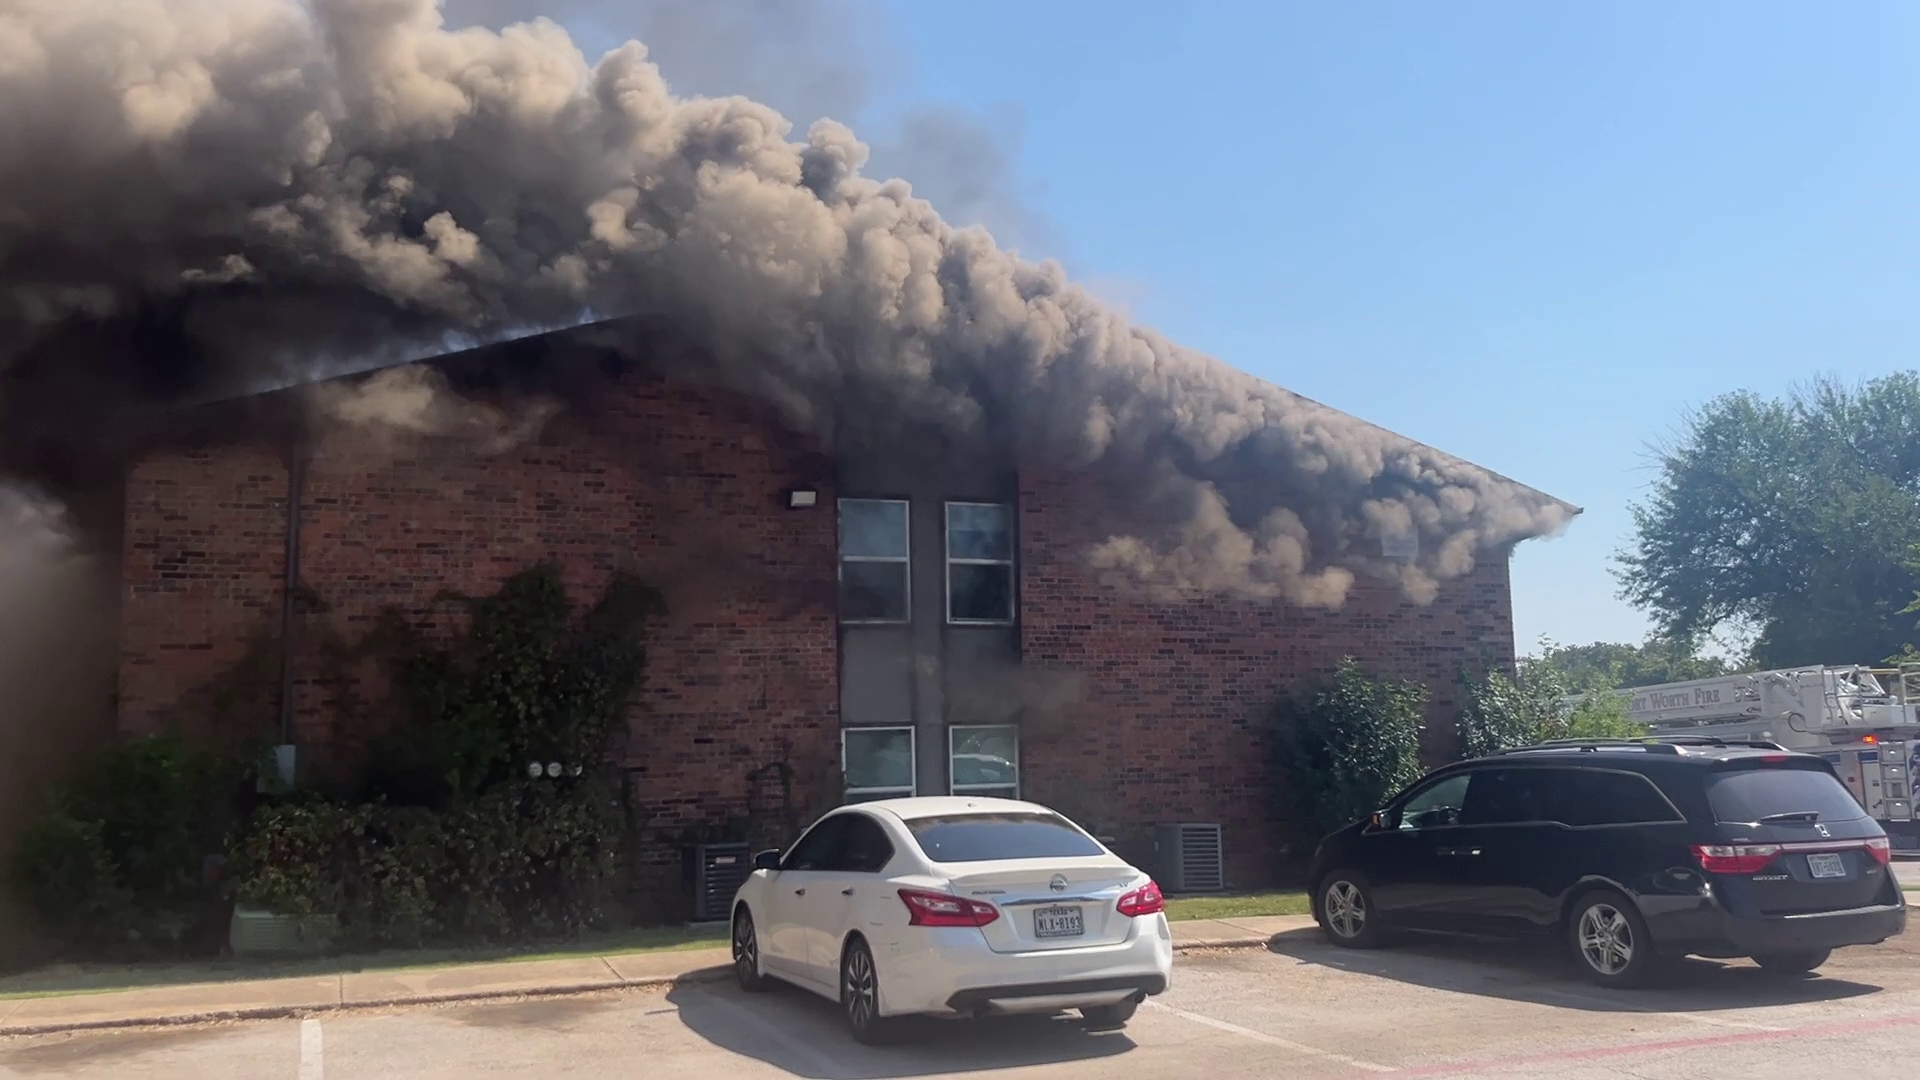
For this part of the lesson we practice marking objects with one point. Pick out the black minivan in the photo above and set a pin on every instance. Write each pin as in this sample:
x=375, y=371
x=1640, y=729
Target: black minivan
x=1632, y=851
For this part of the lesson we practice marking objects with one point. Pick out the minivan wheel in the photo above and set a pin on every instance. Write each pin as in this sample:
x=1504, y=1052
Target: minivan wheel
x=1793, y=963
x=1610, y=940
x=1347, y=913
x=860, y=995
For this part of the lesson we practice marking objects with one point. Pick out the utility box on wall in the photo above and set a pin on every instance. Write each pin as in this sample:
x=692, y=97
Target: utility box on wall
x=1190, y=858
x=718, y=872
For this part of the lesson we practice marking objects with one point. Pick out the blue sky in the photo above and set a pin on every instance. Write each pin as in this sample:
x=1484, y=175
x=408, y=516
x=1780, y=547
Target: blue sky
x=1530, y=234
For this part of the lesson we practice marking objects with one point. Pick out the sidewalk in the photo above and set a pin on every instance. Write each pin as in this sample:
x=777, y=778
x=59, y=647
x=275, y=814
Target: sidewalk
x=271, y=998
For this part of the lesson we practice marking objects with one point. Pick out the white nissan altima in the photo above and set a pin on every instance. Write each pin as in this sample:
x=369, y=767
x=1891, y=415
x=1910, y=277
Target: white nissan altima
x=953, y=906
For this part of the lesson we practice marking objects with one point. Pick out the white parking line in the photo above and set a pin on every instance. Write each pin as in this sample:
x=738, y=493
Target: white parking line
x=312, y=1067
x=1273, y=1040
x=1652, y=1010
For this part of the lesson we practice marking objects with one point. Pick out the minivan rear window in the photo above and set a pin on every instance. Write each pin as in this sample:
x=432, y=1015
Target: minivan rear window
x=958, y=838
x=1748, y=796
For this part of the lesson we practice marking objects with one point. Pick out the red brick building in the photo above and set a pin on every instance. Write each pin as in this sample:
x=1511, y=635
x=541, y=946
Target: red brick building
x=957, y=639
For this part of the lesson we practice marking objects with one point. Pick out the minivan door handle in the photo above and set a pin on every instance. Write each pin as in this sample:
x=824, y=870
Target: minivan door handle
x=1466, y=851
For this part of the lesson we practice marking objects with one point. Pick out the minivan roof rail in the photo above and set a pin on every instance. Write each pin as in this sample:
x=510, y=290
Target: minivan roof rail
x=1659, y=744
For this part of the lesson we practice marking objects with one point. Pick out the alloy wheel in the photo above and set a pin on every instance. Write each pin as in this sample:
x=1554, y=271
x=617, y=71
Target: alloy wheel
x=746, y=949
x=1346, y=909
x=858, y=988
x=1606, y=939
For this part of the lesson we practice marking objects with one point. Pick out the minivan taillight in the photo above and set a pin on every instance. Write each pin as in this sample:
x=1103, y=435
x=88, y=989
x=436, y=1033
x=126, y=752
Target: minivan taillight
x=942, y=909
x=1143, y=901
x=1735, y=858
x=1881, y=849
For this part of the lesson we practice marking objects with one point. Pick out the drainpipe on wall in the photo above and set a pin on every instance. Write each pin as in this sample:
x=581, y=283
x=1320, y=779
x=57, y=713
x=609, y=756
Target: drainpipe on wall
x=283, y=754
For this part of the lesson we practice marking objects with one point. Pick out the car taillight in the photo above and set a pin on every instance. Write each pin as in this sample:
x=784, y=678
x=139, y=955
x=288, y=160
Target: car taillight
x=941, y=909
x=1143, y=901
x=1881, y=849
x=1735, y=858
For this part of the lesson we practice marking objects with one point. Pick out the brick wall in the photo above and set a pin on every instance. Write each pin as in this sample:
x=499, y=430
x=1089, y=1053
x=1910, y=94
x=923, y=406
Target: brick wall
x=1172, y=698
x=684, y=486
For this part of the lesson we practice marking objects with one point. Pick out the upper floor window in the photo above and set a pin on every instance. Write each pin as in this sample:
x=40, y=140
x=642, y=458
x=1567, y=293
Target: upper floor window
x=875, y=559
x=979, y=562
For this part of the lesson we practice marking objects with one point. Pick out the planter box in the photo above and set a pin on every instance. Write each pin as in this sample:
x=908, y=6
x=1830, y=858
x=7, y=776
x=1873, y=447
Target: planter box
x=261, y=933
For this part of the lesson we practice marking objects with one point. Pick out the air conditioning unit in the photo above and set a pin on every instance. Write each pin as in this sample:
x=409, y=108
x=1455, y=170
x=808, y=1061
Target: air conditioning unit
x=1191, y=858
x=718, y=872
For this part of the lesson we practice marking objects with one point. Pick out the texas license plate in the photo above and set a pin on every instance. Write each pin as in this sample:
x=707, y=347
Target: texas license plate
x=1826, y=866
x=1058, y=922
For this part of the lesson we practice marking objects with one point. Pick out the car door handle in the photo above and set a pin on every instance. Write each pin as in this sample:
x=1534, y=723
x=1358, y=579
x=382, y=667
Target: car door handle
x=1469, y=851
x=846, y=892
x=799, y=892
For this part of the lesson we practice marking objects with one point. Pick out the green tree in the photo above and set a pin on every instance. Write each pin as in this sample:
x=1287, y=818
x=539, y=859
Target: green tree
x=1797, y=518
x=1606, y=665
x=1346, y=746
x=1542, y=704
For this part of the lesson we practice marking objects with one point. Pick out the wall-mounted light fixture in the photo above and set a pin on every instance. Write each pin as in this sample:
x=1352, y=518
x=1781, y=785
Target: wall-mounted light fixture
x=801, y=499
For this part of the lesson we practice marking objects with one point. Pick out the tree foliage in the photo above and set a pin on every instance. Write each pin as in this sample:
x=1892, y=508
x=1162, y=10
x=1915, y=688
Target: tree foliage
x=1503, y=713
x=1346, y=746
x=1796, y=517
x=1607, y=665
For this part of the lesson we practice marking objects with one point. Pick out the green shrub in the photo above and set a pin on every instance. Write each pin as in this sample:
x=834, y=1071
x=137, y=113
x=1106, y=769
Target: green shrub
x=67, y=877
x=116, y=859
x=1346, y=746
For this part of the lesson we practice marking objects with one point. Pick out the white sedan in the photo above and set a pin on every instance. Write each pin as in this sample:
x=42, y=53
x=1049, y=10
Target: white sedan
x=953, y=906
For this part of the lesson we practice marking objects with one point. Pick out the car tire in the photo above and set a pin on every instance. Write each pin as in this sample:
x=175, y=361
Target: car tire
x=860, y=995
x=1610, y=941
x=746, y=953
x=1348, y=916
x=1793, y=963
x=1110, y=1017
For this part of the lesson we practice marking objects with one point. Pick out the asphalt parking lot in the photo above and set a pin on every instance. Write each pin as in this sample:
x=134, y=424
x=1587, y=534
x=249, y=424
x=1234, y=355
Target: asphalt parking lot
x=1430, y=1008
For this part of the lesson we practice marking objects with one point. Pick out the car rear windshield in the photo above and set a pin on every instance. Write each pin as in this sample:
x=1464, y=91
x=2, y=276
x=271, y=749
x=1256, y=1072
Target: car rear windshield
x=1751, y=795
x=959, y=838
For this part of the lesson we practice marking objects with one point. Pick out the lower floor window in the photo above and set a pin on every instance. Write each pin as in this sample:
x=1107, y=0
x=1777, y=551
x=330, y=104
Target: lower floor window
x=984, y=760
x=877, y=763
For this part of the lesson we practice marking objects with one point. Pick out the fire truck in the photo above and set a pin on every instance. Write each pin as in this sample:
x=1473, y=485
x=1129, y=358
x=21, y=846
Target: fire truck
x=1864, y=721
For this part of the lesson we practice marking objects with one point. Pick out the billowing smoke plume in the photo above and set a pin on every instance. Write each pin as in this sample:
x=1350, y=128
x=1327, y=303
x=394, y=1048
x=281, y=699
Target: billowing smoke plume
x=279, y=185
x=397, y=403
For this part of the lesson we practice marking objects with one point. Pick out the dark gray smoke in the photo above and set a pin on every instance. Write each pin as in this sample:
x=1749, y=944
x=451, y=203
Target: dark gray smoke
x=263, y=187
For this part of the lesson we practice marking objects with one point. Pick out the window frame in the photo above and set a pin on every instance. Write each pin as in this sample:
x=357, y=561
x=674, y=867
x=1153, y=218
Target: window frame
x=857, y=819
x=905, y=561
x=946, y=570
x=1400, y=806
x=1678, y=817
x=873, y=794
x=956, y=788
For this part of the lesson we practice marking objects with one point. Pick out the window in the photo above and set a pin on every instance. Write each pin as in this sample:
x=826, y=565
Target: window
x=1751, y=796
x=821, y=848
x=875, y=557
x=1436, y=806
x=865, y=848
x=1508, y=797
x=984, y=761
x=958, y=838
x=1596, y=797
x=979, y=563
x=877, y=762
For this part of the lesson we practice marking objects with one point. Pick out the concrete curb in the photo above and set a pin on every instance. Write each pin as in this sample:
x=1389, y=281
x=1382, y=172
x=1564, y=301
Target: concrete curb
x=283, y=1012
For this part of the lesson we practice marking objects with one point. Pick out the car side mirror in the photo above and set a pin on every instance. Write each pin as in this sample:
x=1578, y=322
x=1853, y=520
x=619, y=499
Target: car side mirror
x=1378, y=820
x=767, y=860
